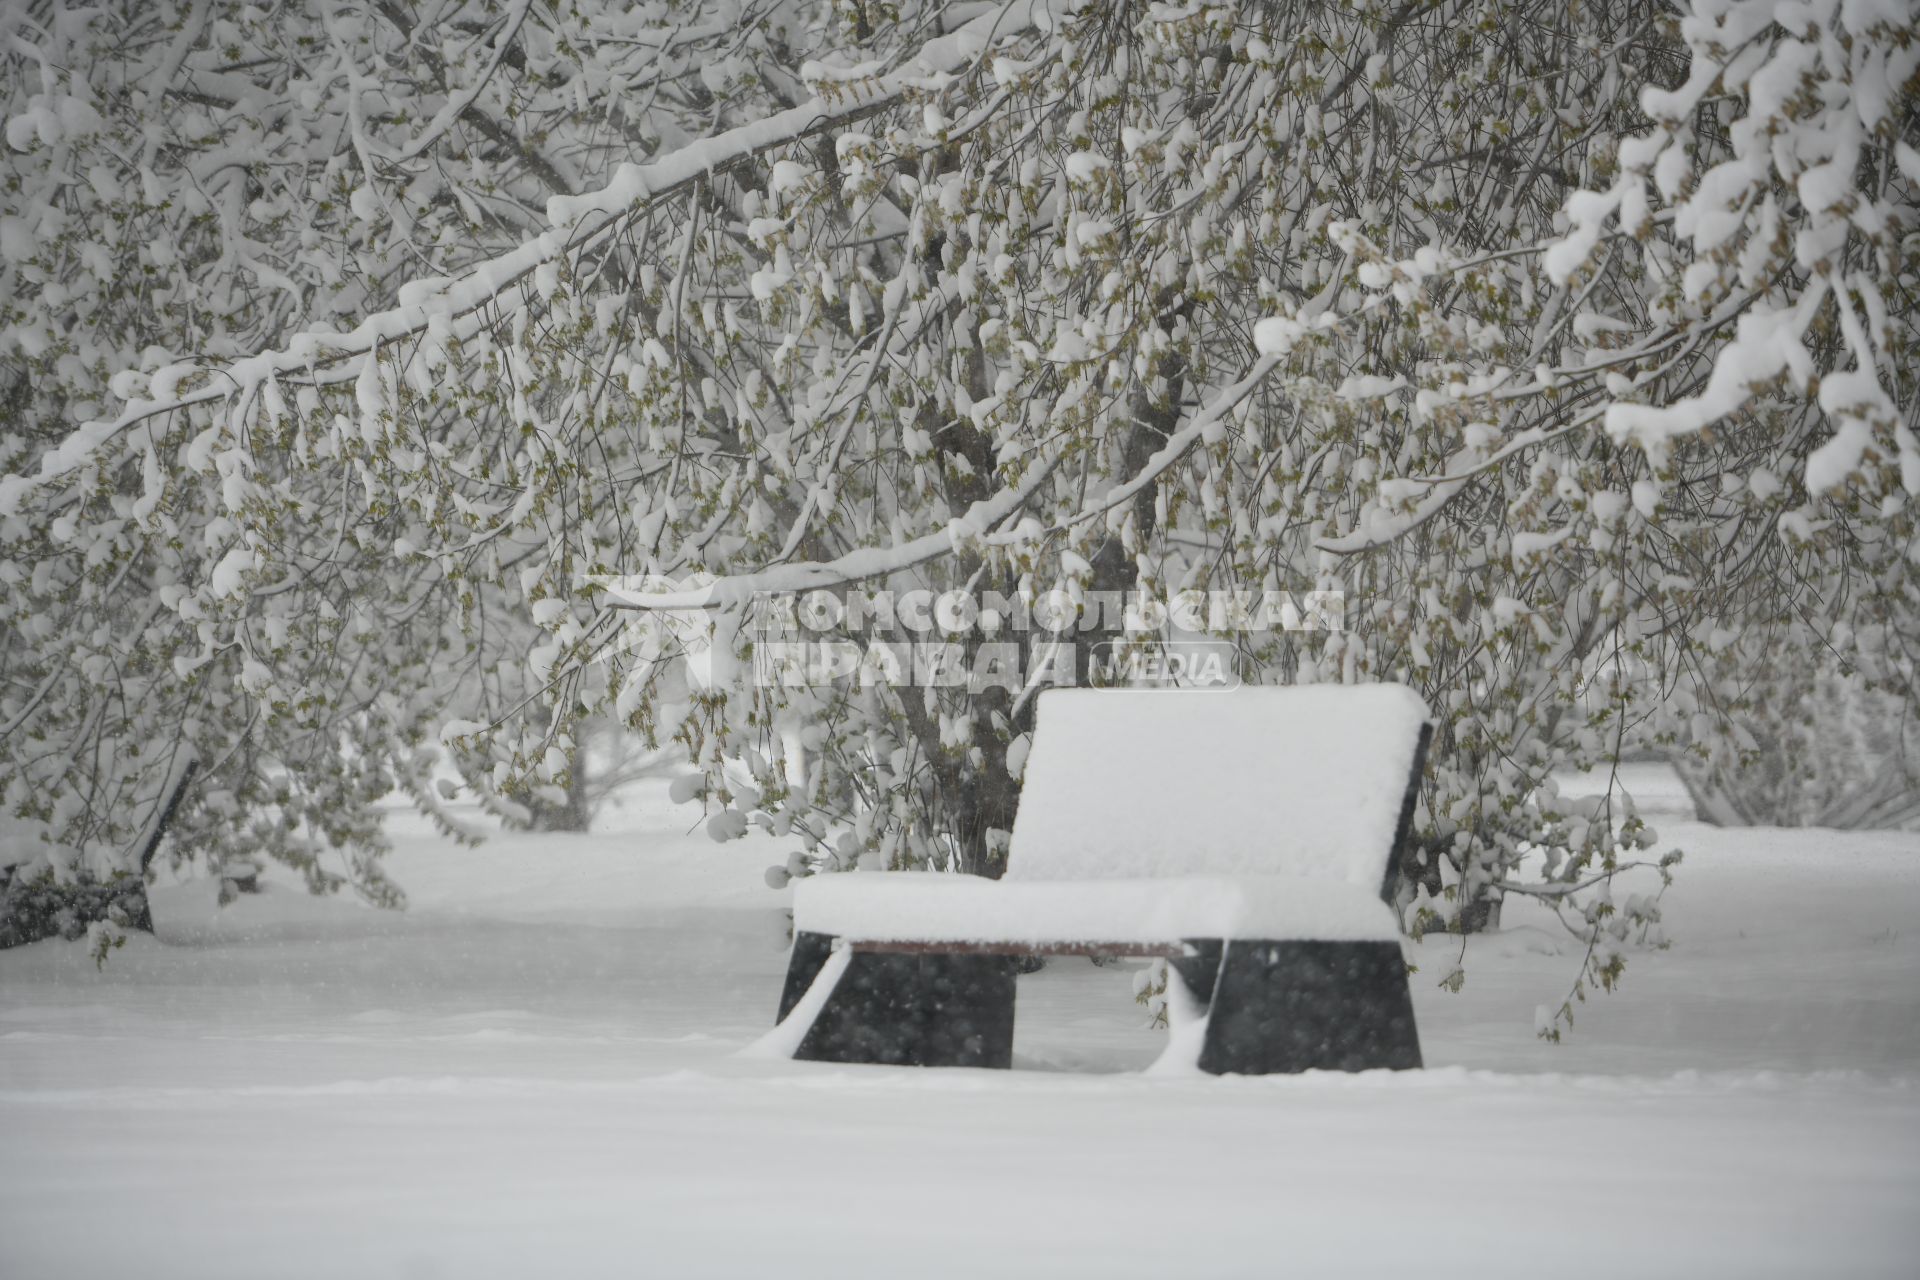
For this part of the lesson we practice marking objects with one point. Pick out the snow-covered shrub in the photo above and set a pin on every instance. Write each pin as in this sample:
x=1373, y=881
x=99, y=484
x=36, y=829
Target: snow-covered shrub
x=1805, y=744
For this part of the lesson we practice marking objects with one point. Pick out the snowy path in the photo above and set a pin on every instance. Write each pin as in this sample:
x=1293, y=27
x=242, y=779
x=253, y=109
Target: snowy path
x=480, y=1089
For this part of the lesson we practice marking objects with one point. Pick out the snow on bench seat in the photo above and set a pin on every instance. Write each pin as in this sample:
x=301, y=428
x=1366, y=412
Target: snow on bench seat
x=938, y=908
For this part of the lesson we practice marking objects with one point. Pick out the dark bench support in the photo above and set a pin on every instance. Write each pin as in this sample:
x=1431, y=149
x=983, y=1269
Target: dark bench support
x=1272, y=1006
x=917, y=1010
x=1301, y=1006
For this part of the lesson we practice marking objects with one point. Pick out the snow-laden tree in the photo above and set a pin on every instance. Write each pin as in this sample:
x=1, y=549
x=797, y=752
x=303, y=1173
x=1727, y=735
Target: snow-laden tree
x=185, y=184
x=1570, y=344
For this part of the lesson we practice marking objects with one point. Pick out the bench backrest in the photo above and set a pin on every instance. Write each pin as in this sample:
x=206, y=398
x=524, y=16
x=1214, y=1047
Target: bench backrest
x=1306, y=780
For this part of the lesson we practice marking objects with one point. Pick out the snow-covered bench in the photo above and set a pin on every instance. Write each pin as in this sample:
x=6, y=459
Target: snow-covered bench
x=1250, y=836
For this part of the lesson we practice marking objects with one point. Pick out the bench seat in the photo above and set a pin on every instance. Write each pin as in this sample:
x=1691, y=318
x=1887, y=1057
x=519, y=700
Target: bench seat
x=931, y=907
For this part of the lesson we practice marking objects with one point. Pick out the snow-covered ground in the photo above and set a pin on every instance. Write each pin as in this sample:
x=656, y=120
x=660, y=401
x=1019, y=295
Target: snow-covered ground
x=535, y=1072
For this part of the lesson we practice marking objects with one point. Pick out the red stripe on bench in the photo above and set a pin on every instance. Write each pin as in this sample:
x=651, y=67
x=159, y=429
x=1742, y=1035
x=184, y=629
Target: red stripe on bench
x=1150, y=949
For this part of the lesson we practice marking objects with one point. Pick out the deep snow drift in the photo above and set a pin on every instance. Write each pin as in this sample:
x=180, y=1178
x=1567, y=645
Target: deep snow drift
x=534, y=1072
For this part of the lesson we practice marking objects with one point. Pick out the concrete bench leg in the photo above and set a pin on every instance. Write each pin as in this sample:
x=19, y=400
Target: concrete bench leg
x=1298, y=1006
x=926, y=1010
